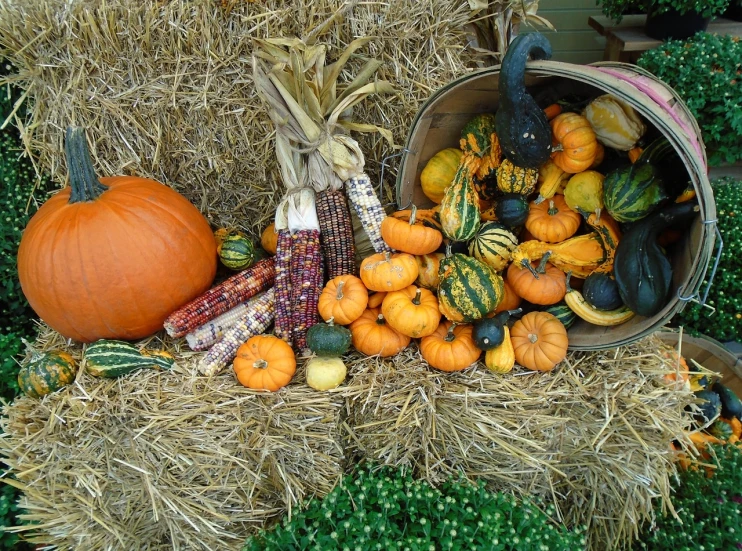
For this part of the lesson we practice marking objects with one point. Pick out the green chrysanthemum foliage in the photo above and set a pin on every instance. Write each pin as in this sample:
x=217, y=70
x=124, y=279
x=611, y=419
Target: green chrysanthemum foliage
x=724, y=321
x=710, y=509
x=386, y=509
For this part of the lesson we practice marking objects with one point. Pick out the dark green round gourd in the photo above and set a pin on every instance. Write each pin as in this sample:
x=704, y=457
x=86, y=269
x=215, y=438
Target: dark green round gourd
x=710, y=406
x=512, y=210
x=489, y=333
x=328, y=340
x=522, y=126
x=601, y=291
x=563, y=313
x=642, y=271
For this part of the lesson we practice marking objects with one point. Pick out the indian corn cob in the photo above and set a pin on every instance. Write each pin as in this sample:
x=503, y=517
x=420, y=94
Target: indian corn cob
x=220, y=299
x=336, y=233
x=306, y=283
x=259, y=316
x=368, y=208
x=283, y=285
x=203, y=337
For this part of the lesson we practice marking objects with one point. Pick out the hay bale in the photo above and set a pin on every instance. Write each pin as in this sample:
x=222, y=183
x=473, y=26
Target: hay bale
x=165, y=88
x=592, y=437
x=167, y=460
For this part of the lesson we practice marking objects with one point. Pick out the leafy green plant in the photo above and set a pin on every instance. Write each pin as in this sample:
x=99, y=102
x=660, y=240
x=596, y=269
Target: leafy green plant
x=706, y=72
x=710, y=509
x=382, y=508
x=724, y=322
x=616, y=9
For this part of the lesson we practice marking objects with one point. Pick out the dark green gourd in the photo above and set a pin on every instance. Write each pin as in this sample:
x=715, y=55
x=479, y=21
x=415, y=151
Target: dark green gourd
x=522, y=126
x=642, y=271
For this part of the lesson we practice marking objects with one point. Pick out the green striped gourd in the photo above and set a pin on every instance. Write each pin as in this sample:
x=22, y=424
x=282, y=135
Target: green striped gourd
x=110, y=359
x=236, y=252
x=632, y=192
x=46, y=372
x=493, y=245
x=469, y=289
x=460, y=215
x=563, y=313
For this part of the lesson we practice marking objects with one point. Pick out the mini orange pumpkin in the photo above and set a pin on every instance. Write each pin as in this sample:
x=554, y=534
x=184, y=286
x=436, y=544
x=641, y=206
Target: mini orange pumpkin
x=543, y=284
x=388, y=272
x=265, y=362
x=539, y=341
x=413, y=311
x=510, y=300
x=344, y=298
x=269, y=239
x=450, y=348
x=411, y=237
x=552, y=220
x=372, y=335
x=427, y=269
x=575, y=143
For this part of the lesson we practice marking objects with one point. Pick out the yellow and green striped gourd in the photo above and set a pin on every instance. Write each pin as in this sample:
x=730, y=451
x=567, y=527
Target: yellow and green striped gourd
x=460, y=215
x=469, y=289
x=493, y=245
x=236, y=252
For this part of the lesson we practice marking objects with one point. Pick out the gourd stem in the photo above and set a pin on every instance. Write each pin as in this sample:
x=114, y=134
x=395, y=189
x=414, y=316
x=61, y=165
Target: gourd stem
x=413, y=215
x=527, y=264
x=542, y=265
x=569, y=276
x=448, y=249
x=260, y=364
x=339, y=295
x=533, y=338
x=83, y=180
x=387, y=256
x=380, y=320
x=553, y=211
x=331, y=321
x=416, y=300
x=450, y=336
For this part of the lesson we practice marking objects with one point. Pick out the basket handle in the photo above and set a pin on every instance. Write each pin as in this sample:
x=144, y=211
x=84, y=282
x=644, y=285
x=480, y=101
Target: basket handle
x=702, y=299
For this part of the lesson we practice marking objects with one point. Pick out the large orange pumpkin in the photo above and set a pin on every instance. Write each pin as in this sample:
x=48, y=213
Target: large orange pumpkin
x=112, y=258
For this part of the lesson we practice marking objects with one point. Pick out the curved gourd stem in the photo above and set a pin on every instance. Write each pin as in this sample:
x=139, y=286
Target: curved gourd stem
x=83, y=180
x=569, y=276
x=541, y=268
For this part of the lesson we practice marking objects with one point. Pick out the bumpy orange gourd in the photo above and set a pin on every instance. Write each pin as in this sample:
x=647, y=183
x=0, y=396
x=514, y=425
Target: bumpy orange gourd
x=411, y=237
x=372, y=335
x=388, y=272
x=552, y=221
x=427, y=269
x=412, y=311
x=450, y=348
x=112, y=258
x=539, y=341
x=265, y=362
x=269, y=239
x=542, y=284
x=574, y=141
x=344, y=298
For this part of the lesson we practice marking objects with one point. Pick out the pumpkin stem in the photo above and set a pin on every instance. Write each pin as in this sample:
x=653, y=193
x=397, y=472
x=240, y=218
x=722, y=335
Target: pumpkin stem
x=450, y=336
x=387, y=256
x=380, y=320
x=533, y=337
x=339, y=295
x=260, y=364
x=448, y=249
x=331, y=321
x=553, y=211
x=527, y=264
x=416, y=300
x=542, y=265
x=557, y=147
x=413, y=215
x=83, y=181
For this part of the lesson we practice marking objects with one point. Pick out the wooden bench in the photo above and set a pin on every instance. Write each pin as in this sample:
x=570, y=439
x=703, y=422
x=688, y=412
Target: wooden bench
x=626, y=41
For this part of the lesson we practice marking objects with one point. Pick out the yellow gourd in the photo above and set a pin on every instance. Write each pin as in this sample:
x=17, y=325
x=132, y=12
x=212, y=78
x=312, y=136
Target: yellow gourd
x=550, y=179
x=502, y=358
x=615, y=122
x=581, y=254
x=584, y=192
x=325, y=373
x=439, y=172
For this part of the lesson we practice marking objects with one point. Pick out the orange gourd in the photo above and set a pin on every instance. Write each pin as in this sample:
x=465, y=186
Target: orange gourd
x=343, y=299
x=388, y=272
x=375, y=300
x=111, y=258
x=427, y=270
x=373, y=336
x=574, y=141
x=411, y=237
x=539, y=341
x=265, y=362
x=540, y=283
x=412, y=311
x=552, y=111
x=450, y=348
x=269, y=239
x=552, y=220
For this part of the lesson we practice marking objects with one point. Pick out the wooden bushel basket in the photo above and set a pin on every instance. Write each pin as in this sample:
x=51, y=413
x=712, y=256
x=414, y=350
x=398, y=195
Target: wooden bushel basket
x=440, y=120
x=710, y=354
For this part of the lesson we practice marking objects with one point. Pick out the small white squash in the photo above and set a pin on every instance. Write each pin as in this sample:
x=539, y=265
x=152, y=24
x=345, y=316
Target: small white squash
x=325, y=373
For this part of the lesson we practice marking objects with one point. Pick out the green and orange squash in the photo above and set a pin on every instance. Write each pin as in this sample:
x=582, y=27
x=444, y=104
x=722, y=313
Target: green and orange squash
x=469, y=289
x=46, y=372
x=460, y=213
x=236, y=251
x=110, y=359
x=516, y=179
